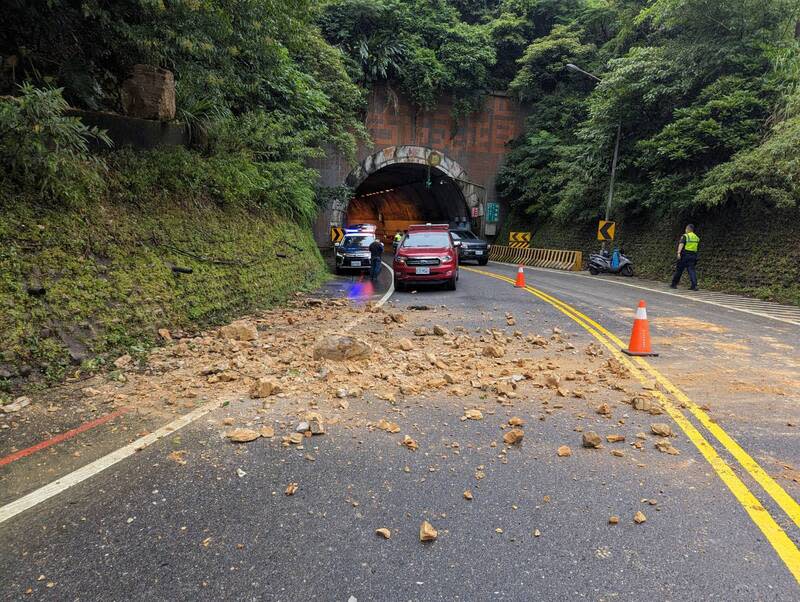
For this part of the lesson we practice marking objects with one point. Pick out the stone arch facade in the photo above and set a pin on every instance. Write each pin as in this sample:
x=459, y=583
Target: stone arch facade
x=420, y=155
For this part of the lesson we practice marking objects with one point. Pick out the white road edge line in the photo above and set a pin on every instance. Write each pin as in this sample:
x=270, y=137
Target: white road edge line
x=50, y=490
x=653, y=290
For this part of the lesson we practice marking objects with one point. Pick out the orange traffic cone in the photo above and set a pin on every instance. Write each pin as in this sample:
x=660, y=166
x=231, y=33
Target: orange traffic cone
x=640, y=335
x=520, y=283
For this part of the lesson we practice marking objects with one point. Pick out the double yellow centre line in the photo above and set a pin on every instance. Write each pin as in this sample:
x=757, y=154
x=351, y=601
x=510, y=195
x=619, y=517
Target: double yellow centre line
x=783, y=545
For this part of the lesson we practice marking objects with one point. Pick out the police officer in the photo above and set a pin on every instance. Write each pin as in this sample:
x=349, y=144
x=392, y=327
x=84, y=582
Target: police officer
x=398, y=236
x=687, y=258
x=376, y=254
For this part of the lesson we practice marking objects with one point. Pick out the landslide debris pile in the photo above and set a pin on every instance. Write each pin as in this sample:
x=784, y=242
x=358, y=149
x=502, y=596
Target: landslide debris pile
x=319, y=363
x=324, y=359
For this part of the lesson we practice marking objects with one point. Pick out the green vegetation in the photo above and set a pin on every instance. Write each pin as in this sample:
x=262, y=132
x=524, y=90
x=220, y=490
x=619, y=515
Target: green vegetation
x=98, y=229
x=106, y=267
x=705, y=93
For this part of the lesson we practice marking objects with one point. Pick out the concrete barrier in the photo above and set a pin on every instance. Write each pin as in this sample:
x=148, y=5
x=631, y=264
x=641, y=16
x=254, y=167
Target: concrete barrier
x=542, y=258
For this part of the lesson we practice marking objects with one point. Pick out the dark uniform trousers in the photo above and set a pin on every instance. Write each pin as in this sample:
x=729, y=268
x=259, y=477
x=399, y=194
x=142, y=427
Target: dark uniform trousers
x=687, y=262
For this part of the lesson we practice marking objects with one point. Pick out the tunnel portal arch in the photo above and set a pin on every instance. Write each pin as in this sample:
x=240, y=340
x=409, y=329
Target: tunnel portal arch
x=411, y=155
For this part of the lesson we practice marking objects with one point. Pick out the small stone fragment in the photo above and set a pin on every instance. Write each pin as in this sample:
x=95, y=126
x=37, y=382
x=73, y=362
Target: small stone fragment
x=604, y=409
x=615, y=438
x=591, y=440
x=239, y=331
x=516, y=421
x=661, y=429
x=665, y=446
x=439, y=331
x=513, y=436
x=267, y=431
x=242, y=435
x=291, y=488
x=410, y=443
x=16, y=405
x=427, y=532
x=383, y=532
x=552, y=380
x=492, y=350
x=639, y=517
x=564, y=451
x=473, y=414
x=613, y=520
x=264, y=387
x=405, y=344
x=467, y=495
x=342, y=347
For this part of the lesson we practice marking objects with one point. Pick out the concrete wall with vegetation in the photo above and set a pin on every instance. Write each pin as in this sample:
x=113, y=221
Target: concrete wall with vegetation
x=756, y=252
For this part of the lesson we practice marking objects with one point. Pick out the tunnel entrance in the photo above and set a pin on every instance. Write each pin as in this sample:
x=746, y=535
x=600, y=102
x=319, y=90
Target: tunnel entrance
x=400, y=194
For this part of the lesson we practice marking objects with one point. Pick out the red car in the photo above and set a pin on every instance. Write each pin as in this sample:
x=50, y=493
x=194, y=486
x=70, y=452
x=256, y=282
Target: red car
x=427, y=254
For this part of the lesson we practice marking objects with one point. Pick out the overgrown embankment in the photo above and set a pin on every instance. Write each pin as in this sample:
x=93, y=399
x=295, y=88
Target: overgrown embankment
x=751, y=251
x=83, y=284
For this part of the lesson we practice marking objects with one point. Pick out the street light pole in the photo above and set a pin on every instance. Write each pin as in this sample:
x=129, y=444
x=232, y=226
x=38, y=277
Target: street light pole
x=577, y=69
x=613, y=171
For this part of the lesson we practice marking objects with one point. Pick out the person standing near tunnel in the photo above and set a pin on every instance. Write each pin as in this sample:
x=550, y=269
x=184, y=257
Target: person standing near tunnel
x=376, y=255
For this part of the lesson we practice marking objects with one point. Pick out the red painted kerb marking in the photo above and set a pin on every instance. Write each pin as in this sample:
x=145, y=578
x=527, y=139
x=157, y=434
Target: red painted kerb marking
x=60, y=437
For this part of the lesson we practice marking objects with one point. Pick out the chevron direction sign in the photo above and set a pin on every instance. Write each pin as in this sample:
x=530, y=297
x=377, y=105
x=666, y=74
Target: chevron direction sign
x=337, y=234
x=605, y=230
x=519, y=240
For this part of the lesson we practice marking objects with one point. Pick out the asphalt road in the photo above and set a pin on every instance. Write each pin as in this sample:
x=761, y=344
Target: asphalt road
x=148, y=529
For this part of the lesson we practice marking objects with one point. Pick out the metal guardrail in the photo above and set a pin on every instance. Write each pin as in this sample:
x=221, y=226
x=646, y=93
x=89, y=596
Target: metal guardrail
x=542, y=258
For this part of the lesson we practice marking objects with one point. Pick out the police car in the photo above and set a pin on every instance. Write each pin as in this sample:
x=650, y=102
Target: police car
x=352, y=254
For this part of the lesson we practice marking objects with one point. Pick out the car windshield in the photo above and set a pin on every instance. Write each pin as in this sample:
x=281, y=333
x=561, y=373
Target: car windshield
x=358, y=241
x=426, y=239
x=463, y=235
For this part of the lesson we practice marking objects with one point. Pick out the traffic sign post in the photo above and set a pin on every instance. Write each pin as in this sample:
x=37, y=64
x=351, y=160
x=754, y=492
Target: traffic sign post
x=606, y=230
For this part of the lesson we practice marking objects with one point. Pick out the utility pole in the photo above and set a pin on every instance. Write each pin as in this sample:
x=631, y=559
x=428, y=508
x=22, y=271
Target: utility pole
x=577, y=69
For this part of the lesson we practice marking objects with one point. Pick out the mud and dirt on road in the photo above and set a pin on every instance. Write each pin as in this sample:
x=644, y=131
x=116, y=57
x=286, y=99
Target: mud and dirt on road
x=300, y=370
x=348, y=435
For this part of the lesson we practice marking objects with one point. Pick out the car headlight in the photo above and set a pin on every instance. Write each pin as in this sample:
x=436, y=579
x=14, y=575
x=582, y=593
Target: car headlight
x=399, y=259
x=488, y=247
x=446, y=258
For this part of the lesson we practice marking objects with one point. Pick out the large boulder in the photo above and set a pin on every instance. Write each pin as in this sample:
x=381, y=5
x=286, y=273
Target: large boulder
x=342, y=347
x=149, y=93
x=241, y=330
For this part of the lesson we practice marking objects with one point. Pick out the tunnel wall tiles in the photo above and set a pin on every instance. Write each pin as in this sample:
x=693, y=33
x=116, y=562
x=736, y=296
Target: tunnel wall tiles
x=481, y=140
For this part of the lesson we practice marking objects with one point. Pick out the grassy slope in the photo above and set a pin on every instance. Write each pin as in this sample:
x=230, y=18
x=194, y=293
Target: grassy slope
x=109, y=284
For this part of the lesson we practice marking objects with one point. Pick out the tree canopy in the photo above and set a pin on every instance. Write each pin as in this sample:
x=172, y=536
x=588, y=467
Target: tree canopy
x=705, y=93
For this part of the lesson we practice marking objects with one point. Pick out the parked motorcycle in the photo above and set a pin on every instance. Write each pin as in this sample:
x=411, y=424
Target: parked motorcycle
x=611, y=263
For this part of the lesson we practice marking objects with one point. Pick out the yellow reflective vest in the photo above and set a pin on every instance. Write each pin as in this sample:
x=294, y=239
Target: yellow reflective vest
x=692, y=242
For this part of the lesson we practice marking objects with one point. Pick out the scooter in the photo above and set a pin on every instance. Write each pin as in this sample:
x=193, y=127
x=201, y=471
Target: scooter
x=611, y=263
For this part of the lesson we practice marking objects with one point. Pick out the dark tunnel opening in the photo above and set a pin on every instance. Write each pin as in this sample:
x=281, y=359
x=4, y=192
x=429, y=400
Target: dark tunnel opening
x=406, y=193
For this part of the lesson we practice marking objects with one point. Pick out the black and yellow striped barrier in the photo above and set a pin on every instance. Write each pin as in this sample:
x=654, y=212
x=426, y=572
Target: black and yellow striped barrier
x=542, y=258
